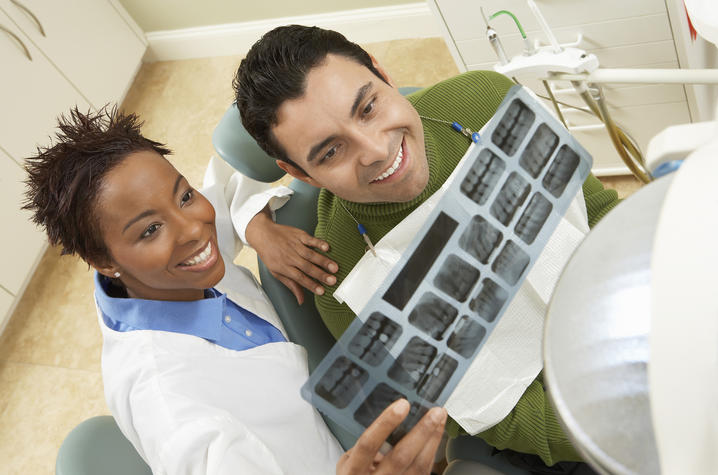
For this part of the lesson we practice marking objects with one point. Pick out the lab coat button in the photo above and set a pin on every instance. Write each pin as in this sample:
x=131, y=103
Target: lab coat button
x=227, y=318
x=248, y=332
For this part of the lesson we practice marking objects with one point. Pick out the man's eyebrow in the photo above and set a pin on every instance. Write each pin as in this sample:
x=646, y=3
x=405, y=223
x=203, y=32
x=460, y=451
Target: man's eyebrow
x=177, y=182
x=361, y=93
x=318, y=147
x=149, y=212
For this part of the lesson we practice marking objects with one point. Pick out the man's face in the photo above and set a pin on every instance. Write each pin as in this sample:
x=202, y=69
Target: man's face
x=354, y=135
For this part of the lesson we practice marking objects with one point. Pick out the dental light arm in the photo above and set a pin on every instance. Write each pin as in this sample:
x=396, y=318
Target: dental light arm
x=570, y=63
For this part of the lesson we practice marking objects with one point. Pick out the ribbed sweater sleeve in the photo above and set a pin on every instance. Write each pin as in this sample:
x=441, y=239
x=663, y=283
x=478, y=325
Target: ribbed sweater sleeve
x=599, y=201
x=531, y=427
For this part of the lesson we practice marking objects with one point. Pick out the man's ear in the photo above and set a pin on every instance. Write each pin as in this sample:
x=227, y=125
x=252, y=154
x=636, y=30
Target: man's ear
x=382, y=71
x=297, y=173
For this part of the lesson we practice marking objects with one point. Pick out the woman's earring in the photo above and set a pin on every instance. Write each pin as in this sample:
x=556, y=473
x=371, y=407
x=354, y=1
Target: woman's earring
x=117, y=274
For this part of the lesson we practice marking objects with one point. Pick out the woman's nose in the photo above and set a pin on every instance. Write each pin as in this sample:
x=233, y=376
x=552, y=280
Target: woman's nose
x=190, y=228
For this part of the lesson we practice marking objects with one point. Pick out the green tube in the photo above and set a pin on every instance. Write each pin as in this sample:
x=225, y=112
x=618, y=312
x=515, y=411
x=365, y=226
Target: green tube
x=516, y=20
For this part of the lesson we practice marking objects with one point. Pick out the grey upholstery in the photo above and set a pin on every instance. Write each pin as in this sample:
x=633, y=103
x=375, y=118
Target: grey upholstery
x=96, y=446
x=302, y=322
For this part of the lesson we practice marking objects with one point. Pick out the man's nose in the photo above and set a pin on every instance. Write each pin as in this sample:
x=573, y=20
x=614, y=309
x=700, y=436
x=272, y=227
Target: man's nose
x=372, y=147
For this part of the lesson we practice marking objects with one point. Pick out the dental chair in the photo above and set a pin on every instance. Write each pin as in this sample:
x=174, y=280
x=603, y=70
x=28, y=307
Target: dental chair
x=96, y=446
x=304, y=326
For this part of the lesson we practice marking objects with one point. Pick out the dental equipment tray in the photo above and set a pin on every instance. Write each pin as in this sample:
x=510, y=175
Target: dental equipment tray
x=420, y=331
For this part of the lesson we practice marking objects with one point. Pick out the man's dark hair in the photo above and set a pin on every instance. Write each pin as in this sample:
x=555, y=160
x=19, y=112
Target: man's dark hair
x=275, y=70
x=64, y=178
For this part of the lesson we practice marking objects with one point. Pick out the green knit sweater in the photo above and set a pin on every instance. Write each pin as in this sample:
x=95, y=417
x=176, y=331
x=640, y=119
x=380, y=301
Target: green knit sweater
x=470, y=99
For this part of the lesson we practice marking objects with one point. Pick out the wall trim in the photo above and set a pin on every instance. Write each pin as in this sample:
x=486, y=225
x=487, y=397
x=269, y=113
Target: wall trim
x=367, y=25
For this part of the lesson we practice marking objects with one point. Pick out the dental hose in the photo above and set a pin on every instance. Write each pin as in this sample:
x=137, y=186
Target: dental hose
x=624, y=145
x=554, y=102
x=528, y=47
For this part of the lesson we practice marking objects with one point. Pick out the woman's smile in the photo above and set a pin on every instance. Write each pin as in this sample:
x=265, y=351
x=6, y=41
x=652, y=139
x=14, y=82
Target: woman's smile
x=202, y=260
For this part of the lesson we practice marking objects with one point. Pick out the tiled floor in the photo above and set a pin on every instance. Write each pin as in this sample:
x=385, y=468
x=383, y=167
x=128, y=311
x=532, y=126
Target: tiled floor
x=50, y=351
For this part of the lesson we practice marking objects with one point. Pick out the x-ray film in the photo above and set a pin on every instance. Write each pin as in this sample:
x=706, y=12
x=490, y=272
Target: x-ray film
x=420, y=331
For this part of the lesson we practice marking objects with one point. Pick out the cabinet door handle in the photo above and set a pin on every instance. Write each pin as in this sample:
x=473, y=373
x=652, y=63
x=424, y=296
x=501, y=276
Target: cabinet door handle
x=32, y=15
x=17, y=38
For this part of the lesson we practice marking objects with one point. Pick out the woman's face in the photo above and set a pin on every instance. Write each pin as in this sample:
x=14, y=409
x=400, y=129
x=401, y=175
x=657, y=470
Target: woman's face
x=159, y=230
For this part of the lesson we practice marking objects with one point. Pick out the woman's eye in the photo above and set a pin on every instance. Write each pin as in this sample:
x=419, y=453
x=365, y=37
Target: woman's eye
x=151, y=229
x=186, y=197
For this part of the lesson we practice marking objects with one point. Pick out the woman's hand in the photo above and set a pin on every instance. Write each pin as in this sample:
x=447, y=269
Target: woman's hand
x=414, y=454
x=289, y=255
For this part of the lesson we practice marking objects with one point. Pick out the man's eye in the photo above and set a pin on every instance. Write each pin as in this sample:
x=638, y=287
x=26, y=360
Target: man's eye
x=186, y=197
x=151, y=229
x=330, y=153
x=369, y=107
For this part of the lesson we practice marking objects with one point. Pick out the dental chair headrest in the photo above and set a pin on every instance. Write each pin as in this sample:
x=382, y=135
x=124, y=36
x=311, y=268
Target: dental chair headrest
x=234, y=144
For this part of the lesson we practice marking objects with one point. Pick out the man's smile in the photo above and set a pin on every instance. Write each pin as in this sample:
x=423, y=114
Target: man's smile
x=395, y=165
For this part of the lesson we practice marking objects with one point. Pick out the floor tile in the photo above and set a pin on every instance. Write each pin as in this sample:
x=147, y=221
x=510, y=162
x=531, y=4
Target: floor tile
x=55, y=322
x=418, y=62
x=180, y=103
x=625, y=185
x=44, y=405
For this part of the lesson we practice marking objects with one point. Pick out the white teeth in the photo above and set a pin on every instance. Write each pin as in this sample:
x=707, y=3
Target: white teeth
x=390, y=171
x=200, y=258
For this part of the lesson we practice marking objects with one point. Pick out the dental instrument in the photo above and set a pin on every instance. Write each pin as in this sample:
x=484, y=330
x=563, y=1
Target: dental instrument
x=361, y=229
x=494, y=41
x=465, y=131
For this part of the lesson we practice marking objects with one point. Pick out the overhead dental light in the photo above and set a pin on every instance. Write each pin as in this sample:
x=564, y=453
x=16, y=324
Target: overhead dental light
x=631, y=340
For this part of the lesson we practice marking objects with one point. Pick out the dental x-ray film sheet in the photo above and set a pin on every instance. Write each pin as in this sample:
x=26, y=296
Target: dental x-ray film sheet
x=419, y=332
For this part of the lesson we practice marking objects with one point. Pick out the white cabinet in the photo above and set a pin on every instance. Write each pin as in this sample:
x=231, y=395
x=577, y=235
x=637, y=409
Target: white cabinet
x=6, y=302
x=86, y=39
x=622, y=34
x=33, y=93
x=55, y=55
x=22, y=240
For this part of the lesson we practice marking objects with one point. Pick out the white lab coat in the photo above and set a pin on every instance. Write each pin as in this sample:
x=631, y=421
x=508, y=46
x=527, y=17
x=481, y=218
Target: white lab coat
x=191, y=407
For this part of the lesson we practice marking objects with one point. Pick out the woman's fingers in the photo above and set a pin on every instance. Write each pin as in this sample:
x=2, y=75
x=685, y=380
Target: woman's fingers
x=415, y=451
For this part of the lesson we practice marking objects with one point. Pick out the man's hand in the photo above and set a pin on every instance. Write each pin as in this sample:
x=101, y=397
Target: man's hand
x=289, y=255
x=414, y=454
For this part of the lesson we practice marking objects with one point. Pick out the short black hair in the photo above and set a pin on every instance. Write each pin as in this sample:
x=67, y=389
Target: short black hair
x=64, y=178
x=275, y=70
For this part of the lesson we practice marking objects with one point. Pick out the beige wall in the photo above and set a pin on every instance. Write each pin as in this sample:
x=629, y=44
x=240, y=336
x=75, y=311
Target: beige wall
x=158, y=15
